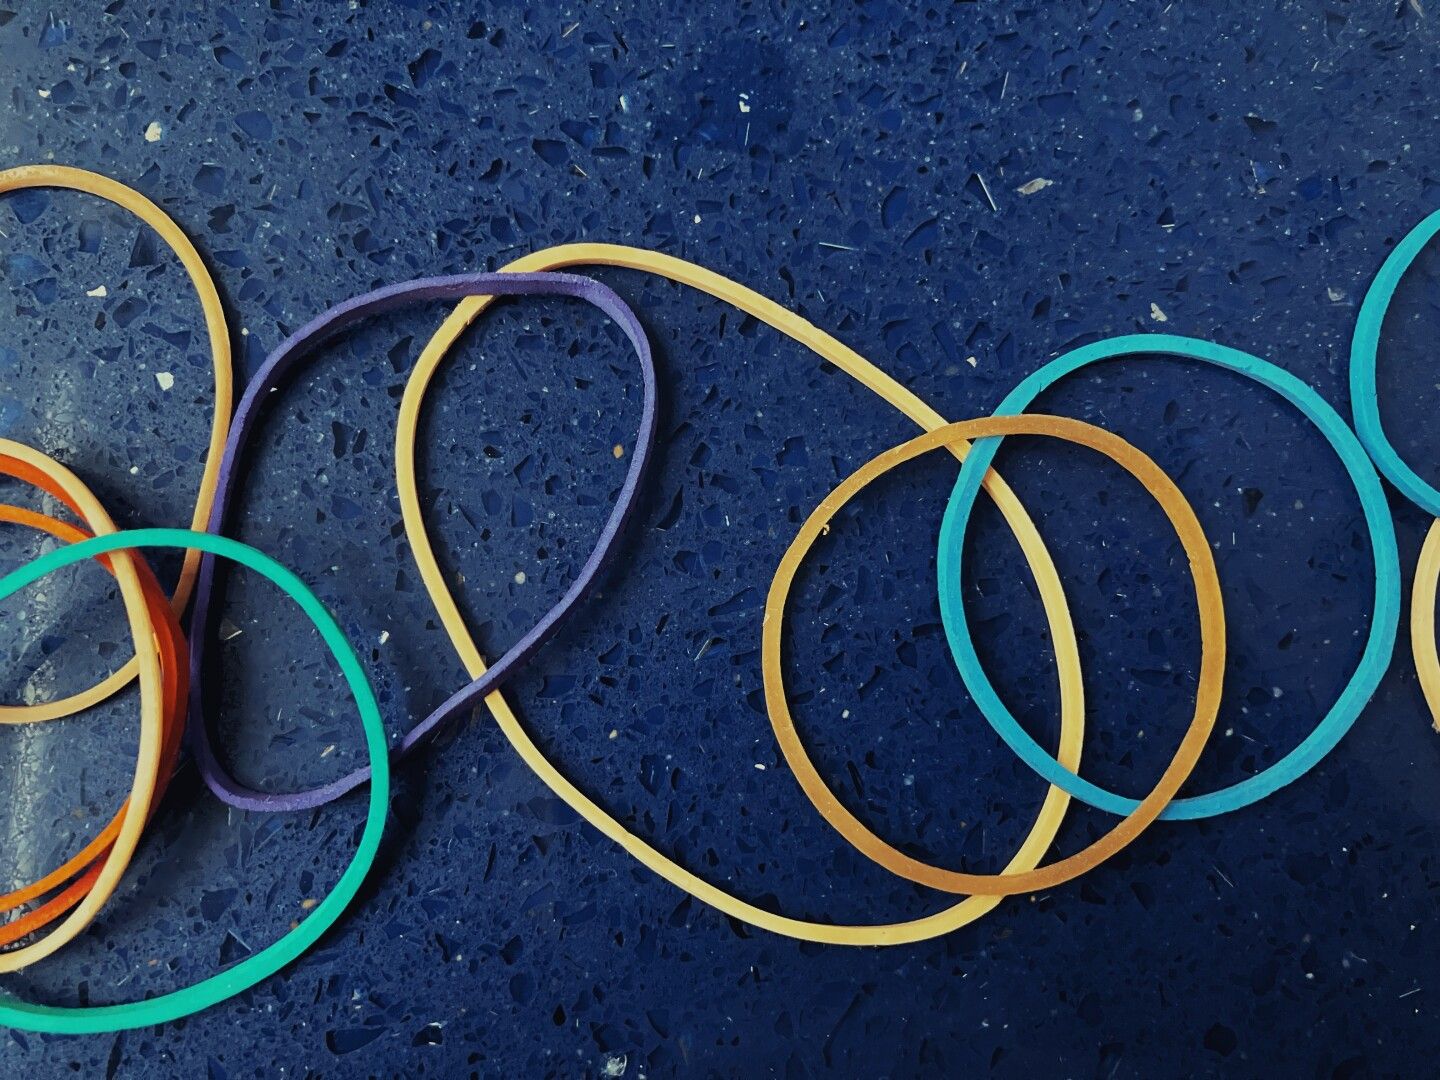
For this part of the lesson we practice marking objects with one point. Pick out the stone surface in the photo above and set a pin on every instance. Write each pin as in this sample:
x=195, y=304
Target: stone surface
x=960, y=193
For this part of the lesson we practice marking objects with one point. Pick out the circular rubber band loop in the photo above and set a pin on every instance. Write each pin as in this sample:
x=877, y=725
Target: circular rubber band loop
x=1207, y=694
x=89, y=1020
x=152, y=737
x=1384, y=621
x=1364, y=348
x=89, y=183
x=1052, y=810
x=291, y=352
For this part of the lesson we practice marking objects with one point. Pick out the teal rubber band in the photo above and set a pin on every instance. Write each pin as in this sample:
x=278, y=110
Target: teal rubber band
x=1383, y=625
x=93, y=1020
x=1364, y=346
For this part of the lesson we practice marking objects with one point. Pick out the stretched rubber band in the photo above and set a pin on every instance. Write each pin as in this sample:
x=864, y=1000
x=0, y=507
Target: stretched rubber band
x=89, y=1020
x=1383, y=625
x=62, y=176
x=152, y=723
x=1207, y=694
x=84, y=866
x=281, y=363
x=1062, y=631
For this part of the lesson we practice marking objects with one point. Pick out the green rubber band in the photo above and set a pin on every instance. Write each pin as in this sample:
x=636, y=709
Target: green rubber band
x=1383, y=623
x=98, y=1019
x=1364, y=397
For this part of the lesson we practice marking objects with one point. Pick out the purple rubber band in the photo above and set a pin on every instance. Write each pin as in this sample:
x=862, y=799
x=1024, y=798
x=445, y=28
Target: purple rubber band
x=281, y=363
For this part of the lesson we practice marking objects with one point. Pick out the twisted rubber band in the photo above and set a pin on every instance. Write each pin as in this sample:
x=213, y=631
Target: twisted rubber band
x=1062, y=631
x=81, y=180
x=136, y=809
x=1365, y=403
x=277, y=367
x=251, y=970
x=1207, y=695
x=1384, y=622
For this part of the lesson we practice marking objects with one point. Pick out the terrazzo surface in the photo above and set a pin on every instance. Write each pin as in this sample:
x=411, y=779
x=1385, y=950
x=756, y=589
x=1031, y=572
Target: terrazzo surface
x=959, y=193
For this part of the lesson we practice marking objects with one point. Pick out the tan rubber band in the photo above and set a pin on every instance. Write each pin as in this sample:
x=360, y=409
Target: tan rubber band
x=1207, y=695
x=152, y=721
x=1422, y=621
x=1062, y=630
x=63, y=176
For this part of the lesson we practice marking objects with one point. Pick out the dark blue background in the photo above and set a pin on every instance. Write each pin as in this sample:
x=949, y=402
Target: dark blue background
x=1238, y=169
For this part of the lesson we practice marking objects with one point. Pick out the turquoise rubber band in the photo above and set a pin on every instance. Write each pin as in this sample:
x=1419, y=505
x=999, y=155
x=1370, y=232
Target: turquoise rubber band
x=1384, y=622
x=1364, y=346
x=92, y=1020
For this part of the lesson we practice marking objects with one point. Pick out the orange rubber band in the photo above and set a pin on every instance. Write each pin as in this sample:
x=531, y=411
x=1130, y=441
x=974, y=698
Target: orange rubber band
x=1207, y=697
x=161, y=717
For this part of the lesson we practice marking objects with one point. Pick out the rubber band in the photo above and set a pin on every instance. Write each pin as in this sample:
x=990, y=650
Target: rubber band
x=89, y=1020
x=174, y=657
x=136, y=809
x=89, y=183
x=1384, y=622
x=1422, y=621
x=1365, y=403
x=1207, y=694
x=1052, y=810
x=1364, y=349
x=277, y=367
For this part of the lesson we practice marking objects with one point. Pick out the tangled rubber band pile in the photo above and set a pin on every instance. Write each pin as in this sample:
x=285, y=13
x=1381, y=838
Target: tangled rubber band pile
x=173, y=673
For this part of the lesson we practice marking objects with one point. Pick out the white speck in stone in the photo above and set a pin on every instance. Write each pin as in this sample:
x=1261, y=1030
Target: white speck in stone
x=1030, y=187
x=99, y=290
x=1157, y=314
x=697, y=219
x=165, y=379
x=759, y=766
x=43, y=93
x=615, y=1065
x=520, y=577
x=154, y=131
x=384, y=636
x=972, y=361
x=744, y=103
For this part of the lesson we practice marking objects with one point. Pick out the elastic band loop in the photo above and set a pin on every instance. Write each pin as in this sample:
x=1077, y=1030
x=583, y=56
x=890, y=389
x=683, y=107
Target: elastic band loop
x=1383, y=625
x=752, y=303
x=1207, y=694
x=89, y=1020
x=89, y=183
x=1364, y=348
x=1422, y=621
x=302, y=344
x=148, y=760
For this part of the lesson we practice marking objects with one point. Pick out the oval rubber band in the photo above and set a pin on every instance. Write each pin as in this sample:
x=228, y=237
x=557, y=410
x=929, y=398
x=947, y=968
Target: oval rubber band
x=1383, y=625
x=1207, y=693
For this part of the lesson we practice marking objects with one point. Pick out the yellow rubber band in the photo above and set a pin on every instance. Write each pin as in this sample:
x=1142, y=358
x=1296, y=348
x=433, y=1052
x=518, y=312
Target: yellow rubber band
x=152, y=722
x=1422, y=621
x=63, y=176
x=1047, y=579
x=1207, y=694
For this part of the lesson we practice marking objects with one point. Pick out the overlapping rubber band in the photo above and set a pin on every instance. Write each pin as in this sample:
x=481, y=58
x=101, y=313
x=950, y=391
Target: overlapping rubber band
x=1384, y=619
x=81, y=180
x=243, y=975
x=1207, y=696
x=1365, y=402
x=1052, y=810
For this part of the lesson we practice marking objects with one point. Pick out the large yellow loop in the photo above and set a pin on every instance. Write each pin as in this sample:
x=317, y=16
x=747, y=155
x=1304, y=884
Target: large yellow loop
x=1062, y=630
x=63, y=176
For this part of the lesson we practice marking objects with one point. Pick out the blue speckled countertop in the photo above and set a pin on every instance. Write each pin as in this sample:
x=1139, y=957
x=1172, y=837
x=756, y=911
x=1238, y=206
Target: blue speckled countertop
x=1229, y=171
